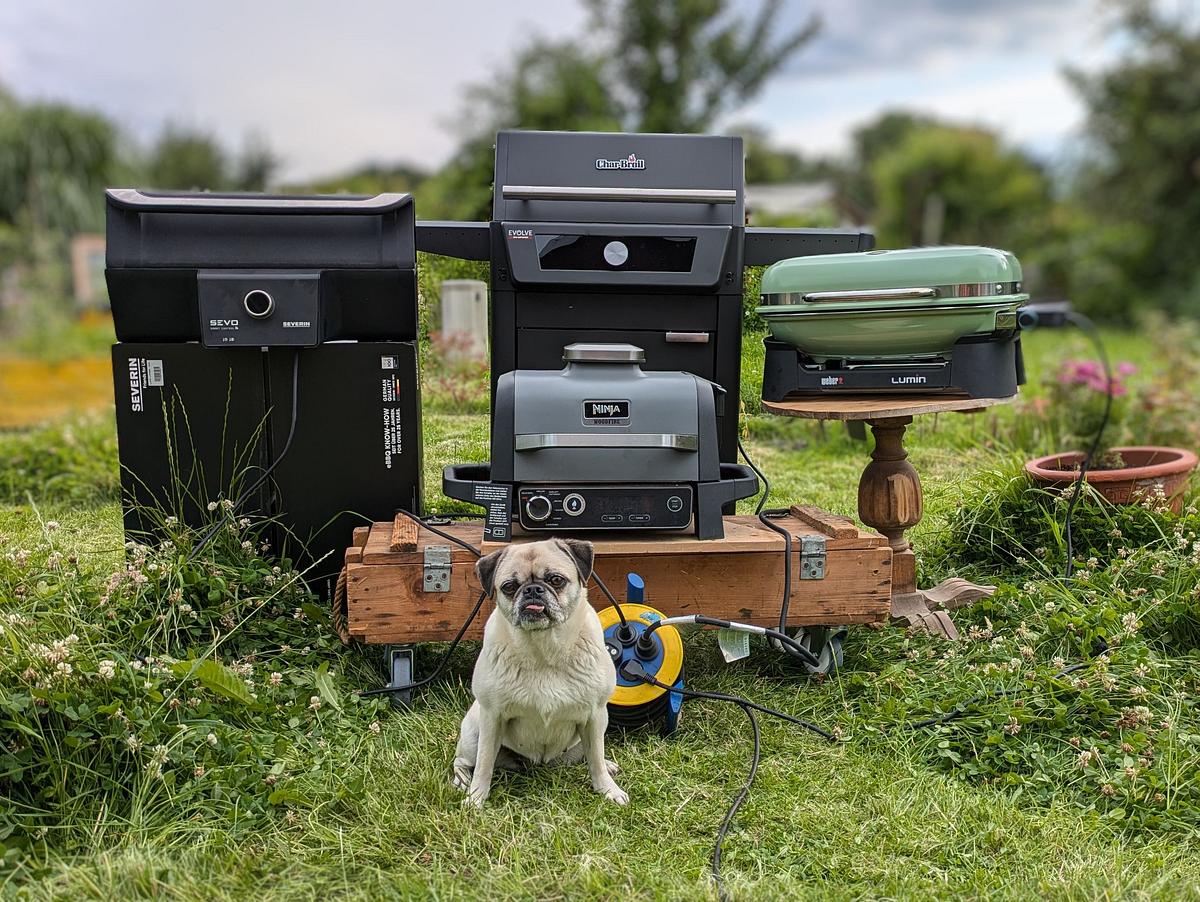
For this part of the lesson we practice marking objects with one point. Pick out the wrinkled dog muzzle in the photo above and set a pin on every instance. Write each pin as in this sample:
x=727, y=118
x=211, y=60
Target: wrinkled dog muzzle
x=536, y=605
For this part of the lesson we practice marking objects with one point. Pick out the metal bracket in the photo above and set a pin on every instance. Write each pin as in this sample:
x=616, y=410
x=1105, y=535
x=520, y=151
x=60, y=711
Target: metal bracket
x=812, y=557
x=436, y=569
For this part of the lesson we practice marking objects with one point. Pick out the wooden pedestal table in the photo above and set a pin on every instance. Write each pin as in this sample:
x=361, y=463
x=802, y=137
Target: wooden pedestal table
x=889, y=494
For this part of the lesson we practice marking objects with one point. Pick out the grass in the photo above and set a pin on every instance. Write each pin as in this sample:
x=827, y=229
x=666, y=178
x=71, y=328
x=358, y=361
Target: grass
x=886, y=813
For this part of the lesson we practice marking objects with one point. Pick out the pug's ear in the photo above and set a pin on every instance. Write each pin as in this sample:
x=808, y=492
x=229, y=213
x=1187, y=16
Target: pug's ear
x=485, y=569
x=583, y=554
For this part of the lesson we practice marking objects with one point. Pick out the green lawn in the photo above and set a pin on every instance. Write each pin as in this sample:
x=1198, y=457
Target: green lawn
x=968, y=809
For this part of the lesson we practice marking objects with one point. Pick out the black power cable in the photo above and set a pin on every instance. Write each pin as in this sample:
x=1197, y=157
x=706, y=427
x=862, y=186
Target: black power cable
x=765, y=517
x=1089, y=329
x=266, y=474
x=633, y=670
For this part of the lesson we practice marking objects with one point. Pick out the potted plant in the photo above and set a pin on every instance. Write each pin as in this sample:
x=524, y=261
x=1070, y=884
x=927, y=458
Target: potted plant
x=1123, y=474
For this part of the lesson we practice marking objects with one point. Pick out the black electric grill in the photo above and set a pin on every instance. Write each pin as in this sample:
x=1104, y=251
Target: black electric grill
x=609, y=237
x=233, y=312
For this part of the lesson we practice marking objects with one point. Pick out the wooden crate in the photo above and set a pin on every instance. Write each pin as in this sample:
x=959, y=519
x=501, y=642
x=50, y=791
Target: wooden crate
x=739, y=577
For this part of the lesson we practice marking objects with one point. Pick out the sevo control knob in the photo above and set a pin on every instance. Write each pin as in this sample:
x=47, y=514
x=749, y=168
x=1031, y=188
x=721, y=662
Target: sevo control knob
x=538, y=508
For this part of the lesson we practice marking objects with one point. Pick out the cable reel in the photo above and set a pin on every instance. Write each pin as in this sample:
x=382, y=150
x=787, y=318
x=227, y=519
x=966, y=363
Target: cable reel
x=636, y=703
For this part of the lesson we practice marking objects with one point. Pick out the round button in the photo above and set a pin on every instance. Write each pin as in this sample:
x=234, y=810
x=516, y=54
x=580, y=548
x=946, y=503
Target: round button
x=538, y=508
x=574, y=504
x=258, y=303
x=616, y=253
x=674, y=504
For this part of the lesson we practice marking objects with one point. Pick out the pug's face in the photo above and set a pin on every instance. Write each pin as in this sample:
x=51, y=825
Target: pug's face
x=538, y=584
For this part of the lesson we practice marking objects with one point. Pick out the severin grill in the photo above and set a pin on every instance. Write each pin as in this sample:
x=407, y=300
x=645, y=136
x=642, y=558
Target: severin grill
x=932, y=319
x=635, y=238
x=248, y=326
x=602, y=444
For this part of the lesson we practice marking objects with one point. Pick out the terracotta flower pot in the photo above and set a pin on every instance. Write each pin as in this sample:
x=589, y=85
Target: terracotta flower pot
x=1149, y=467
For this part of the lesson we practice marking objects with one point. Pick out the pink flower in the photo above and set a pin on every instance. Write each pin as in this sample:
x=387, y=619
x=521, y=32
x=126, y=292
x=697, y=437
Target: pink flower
x=1124, y=368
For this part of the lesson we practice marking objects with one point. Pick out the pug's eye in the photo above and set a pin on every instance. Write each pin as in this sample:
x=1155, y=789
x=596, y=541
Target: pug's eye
x=556, y=581
x=510, y=587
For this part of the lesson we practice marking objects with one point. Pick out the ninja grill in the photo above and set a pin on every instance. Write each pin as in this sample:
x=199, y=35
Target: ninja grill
x=601, y=444
x=265, y=334
x=628, y=238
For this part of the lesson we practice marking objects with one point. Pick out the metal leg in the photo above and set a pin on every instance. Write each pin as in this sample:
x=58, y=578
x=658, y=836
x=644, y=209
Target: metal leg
x=398, y=662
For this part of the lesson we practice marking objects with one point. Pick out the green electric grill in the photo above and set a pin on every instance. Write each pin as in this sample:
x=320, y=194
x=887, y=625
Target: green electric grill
x=929, y=319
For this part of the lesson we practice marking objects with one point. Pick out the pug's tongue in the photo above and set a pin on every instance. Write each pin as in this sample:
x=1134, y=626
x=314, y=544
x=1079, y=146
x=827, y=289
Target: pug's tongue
x=535, y=608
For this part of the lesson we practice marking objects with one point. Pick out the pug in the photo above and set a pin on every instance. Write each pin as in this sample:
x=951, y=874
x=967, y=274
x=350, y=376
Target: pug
x=544, y=677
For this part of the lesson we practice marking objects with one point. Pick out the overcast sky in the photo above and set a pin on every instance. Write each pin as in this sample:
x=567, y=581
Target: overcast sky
x=332, y=85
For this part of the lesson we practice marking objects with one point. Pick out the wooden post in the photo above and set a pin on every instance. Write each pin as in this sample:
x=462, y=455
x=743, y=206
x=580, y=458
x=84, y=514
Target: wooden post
x=889, y=498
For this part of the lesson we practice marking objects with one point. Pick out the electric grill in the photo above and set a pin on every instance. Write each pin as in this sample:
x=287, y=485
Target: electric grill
x=249, y=326
x=933, y=319
x=600, y=445
x=639, y=238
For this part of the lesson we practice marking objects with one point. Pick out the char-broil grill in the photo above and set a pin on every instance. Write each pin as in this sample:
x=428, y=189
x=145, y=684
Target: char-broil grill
x=640, y=239
x=601, y=444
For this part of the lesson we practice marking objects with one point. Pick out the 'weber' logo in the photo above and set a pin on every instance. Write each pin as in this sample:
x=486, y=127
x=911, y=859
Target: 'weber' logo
x=135, y=384
x=908, y=380
x=833, y=380
x=605, y=413
x=630, y=162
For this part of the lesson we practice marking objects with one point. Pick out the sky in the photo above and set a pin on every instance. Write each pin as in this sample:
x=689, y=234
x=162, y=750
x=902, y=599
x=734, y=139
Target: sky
x=330, y=86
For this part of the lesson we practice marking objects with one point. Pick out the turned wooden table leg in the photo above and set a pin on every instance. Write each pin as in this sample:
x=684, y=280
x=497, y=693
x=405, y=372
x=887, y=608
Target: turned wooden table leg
x=889, y=498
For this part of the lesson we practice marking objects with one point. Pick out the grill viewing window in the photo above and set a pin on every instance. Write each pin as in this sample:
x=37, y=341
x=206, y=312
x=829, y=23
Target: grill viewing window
x=642, y=253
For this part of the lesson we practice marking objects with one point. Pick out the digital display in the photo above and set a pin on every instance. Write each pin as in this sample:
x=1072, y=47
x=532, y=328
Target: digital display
x=636, y=253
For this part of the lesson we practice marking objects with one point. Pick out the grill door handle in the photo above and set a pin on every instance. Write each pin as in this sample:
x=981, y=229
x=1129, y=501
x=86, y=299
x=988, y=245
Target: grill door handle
x=540, y=441
x=869, y=294
x=645, y=195
x=694, y=338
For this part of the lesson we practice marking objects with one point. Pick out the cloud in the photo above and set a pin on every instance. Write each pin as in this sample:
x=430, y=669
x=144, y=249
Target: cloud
x=331, y=85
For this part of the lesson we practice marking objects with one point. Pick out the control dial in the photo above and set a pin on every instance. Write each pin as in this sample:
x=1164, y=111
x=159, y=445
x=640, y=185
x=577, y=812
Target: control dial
x=258, y=303
x=538, y=508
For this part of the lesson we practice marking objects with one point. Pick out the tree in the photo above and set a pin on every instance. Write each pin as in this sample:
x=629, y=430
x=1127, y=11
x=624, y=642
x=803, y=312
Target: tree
x=183, y=159
x=678, y=65
x=55, y=162
x=956, y=185
x=647, y=65
x=1141, y=187
x=549, y=86
x=869, y=142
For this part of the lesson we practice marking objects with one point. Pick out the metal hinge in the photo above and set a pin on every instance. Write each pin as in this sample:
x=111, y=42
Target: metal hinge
x=436, y=569
x=812, y=557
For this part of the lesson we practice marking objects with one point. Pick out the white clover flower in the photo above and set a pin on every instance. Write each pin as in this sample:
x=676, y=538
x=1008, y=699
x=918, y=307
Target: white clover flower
x=212, y=506
x=133, y=742
x=276, y=678
x=172, y=521
x=315, y=702
x=374, y=727
x=51, y=525
x=211, y=739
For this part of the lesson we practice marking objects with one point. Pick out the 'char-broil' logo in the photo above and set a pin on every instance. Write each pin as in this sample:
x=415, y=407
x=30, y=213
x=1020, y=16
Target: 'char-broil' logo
x=630, y=162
